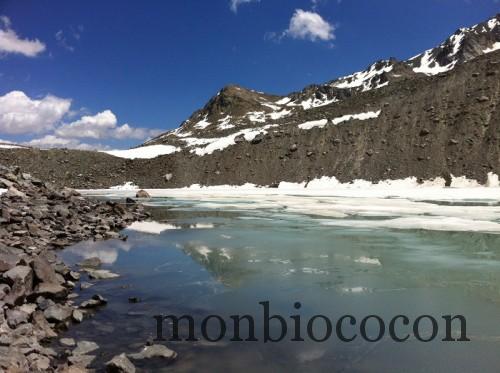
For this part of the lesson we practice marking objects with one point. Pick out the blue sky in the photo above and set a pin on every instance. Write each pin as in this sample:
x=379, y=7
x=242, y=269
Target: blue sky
x=150, y=64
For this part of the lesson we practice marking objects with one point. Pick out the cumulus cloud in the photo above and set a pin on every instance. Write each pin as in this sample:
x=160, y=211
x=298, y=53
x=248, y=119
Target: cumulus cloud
x=10, y=42
x=51, y=141
x=89, y=126
x=103, y=125
x=48, y=118
x=309, y=26
x=234, y=4
x=20, y=114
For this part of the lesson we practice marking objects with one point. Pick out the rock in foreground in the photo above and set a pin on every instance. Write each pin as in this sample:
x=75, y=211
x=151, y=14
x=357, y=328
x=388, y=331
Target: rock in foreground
x=36, y=219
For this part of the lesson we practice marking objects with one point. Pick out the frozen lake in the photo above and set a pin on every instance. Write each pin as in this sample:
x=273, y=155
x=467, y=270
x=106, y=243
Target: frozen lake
x=222, y=253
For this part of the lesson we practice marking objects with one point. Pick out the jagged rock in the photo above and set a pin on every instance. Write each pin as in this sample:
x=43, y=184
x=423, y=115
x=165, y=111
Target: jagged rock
x=257, y=139
x=62, y=211
x=12, y=360
x=85, y=285
x=72, y=369
x=6, y=184
x=82, y=361
x=13, y=192
x=120, y=364
x=22, y=274
x=424, y=132
x=8, y=261
x=73, y=275
x=41, y=326
x=130, y=201
x=84, y=347
x=38, y=363
x=4, y=290
x=95, y=301
x=29, y=308
x=44, y=271
x=112, y=235
x=169, y=176
x=101, y=274
x=154, y=351
x=21, y=280
x=239, y=138
x=77, y=316
x=57, y=313
x=68, y=342
x=44, y=303
x=51, y=290
x=16, y=317
x=483, y=99
x=142, y=194
x=93, y=262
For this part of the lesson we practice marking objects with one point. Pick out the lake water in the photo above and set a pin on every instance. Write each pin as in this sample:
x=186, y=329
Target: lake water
x=225, y=255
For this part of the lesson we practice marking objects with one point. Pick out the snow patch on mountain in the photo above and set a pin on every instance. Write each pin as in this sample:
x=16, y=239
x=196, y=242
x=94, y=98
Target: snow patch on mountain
x=225, y=124
x=344, y=118
x=144, y=152
x=365, y=79
x=315, y=102
x=272, y=106
x=202, y=124
x=284, y=101
x=313, y=123
x=279, y=114
x=495, y=47
x=203, y=146
x=429, y=65
x=257, y=116
x=492, y=23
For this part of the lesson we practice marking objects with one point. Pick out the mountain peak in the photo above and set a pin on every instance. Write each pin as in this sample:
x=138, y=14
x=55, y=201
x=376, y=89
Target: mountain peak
x=235, y=109
x=464, y=45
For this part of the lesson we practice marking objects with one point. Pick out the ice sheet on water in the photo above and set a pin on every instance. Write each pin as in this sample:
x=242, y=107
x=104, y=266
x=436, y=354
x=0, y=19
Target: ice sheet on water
x=391, y=204
x=151, y=227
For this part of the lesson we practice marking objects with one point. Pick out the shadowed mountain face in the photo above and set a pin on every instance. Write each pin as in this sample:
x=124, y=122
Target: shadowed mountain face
x=433, y=115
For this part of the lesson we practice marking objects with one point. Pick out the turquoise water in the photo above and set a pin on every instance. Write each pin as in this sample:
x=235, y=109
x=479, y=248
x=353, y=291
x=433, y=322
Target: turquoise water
x=225, y=261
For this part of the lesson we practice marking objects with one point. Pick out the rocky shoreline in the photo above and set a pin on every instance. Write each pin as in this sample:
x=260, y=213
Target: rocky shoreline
x=36, y=288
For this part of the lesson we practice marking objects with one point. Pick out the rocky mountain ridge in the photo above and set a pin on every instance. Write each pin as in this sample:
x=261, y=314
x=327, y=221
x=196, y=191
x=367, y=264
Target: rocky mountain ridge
x=435, y=114
x=235, y=110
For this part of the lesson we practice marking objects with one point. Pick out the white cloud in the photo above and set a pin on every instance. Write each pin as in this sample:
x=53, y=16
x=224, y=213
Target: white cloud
x=10, y=42
x=234, y=4
x=89, y=126
x=51, y=141
x=127, y=132
x=20, y=114
x=309, y=25
x=103, y=125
